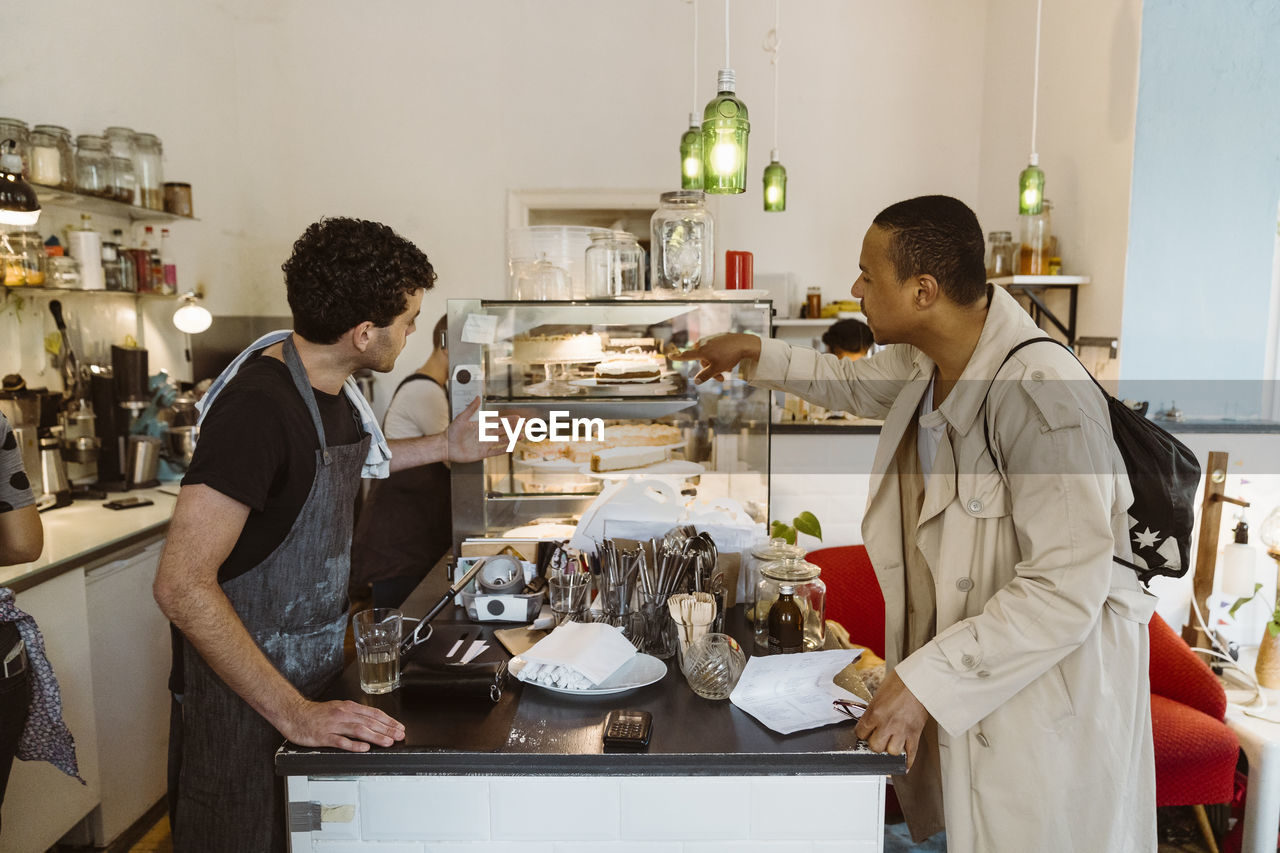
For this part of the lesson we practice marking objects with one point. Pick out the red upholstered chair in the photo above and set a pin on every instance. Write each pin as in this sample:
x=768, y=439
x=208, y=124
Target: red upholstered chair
x=853, y=593
x=1195, y=750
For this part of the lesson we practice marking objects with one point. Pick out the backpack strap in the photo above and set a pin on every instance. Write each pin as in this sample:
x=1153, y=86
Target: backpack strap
x=986, y=428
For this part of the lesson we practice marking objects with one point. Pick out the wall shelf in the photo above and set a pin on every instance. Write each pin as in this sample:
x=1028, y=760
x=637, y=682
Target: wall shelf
x=790, y=321
x=1034, y=286
x=53, y=197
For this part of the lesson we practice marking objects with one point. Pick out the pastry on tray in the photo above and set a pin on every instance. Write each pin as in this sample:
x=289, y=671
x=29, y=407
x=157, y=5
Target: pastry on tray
x=633, y=368
x=555, y=349
x=619, y=458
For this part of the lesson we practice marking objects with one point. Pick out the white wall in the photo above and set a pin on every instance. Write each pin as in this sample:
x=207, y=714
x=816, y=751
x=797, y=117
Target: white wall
x=423, y=115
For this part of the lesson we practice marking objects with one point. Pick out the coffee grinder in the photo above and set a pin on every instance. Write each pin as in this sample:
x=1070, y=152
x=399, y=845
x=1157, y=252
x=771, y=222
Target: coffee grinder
x=119, y=395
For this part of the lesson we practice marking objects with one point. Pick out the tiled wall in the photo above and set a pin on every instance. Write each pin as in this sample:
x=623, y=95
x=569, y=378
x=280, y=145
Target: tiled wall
x=528, y=814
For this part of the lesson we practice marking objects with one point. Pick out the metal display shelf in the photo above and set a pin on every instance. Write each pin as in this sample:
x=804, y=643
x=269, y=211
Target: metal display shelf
x=53, y=197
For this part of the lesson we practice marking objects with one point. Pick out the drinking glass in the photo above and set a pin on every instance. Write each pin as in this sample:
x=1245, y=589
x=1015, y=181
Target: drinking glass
x=569, y=594
x=712, y=665
x=659, y=630
x=377, y=636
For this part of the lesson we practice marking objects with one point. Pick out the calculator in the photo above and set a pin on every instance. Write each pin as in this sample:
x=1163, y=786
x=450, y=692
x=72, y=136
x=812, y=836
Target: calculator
x=628, y=729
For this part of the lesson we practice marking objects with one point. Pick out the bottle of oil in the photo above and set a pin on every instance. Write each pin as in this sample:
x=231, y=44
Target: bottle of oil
x=786, y=624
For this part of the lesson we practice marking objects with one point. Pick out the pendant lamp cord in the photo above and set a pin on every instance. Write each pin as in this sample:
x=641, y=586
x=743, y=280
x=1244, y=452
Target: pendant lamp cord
x=726, y=34
x=694, y=111
x=1035, y=91
x=771, y=45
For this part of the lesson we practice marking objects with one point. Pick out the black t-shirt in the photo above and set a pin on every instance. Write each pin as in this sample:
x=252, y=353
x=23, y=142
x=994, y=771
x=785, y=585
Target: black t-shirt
x=258, y=446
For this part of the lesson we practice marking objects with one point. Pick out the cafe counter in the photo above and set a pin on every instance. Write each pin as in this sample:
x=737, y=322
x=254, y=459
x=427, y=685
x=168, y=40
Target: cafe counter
x=531, y=769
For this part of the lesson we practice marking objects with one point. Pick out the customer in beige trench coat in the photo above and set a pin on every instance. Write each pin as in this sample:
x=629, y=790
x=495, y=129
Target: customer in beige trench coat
x=1036, y=674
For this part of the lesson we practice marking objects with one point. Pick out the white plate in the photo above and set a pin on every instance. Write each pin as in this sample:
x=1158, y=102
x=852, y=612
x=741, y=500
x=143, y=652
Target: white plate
x=640, y=671
x=669, y=468
x=626, y=387
x=596, y=381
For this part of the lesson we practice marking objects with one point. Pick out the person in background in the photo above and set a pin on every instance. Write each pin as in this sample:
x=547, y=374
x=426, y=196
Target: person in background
x=848, y=339
x=255, y=569
x=405, y=525
x=1016, y=649
x=31, y=726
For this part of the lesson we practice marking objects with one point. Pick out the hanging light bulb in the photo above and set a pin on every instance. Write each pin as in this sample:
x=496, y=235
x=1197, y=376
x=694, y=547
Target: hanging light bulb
x=1031, y=181
x=775, y=174
x=775, y=185
x=691, y=140
x=691, y=157
x=192, y=317
x=725, y=128
x=18, y=202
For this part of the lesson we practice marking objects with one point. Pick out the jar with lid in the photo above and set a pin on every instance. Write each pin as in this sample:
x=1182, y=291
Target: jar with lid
x=539, y=279
x=12, y=270
x=791, y=585
x=17, y=130
x=813, y=303
x=27, y=243
x=680, y=233
x=64, y=272
x=124, y=185
x=615, y=265
x=148, y=170
x=53, y=162
x=93, y=166
x=1000, y=252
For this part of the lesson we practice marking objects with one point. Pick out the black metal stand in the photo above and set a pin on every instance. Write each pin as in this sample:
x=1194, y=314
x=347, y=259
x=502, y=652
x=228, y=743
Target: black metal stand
x=1039, y=310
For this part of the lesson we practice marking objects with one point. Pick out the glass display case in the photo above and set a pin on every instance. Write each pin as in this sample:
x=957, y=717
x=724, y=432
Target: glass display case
x=590, y=396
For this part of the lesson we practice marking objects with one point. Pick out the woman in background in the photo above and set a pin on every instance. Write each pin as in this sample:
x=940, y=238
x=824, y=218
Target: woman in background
x=406, y=526
x=849, y=339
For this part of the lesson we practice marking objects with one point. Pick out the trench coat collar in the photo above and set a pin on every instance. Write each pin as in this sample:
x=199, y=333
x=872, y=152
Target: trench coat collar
x=1006, y=325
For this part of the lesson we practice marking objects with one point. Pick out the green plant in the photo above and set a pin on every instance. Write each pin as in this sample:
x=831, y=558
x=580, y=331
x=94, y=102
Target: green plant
x=1273, y=627
x=805, y=522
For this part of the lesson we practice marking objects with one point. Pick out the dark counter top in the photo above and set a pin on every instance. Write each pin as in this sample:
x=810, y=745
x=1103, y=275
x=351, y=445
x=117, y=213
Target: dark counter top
x=833, y=428
x=531, y=731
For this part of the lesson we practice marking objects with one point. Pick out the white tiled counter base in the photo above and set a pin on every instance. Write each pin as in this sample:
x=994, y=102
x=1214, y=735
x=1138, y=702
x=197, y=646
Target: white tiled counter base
x=602, y=814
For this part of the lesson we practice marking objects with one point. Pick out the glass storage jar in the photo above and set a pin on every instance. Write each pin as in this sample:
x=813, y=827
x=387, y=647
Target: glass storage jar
x=16, y=129
x=615, y=265
x=120, y=144
x=64, y=272
x=27, y=243
x=788, y=580
x=148, y=170
x=53, y=163
x=680, y=243
x=1000, y=254
x=93, y=166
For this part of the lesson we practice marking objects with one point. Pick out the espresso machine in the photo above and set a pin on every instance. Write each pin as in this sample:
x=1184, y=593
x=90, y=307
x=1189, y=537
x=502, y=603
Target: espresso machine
x=119, y=395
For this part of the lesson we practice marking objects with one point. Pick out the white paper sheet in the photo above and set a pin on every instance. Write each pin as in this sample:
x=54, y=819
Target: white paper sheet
x=593, y=649
x=790, y=693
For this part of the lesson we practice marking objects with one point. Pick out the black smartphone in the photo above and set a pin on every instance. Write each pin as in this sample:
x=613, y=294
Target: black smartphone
x=628, y=729
x=128, y=503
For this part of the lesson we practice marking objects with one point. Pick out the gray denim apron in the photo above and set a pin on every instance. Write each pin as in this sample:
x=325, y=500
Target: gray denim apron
x=294, y=605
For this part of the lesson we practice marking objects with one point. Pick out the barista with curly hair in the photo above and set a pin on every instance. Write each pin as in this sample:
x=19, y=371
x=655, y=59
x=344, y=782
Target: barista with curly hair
x=255, y=570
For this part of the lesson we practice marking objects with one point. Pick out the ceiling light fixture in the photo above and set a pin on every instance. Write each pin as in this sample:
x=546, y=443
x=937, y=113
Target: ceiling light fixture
x=691, y=141
x=725, y=129
x=1031, y=181
x=775, y=174
x=18, y=202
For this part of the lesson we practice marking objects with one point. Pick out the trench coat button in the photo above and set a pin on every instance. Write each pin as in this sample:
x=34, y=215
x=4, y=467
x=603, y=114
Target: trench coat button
x=982, y=673
x=982, y=739
x=1037, y=375
x=975, y=505
x=968, y=661
x=964, y=584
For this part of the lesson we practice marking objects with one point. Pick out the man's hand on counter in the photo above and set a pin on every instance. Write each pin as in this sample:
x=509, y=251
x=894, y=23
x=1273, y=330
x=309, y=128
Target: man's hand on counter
x=340, y=724
x=720, y=354
x=894, y=720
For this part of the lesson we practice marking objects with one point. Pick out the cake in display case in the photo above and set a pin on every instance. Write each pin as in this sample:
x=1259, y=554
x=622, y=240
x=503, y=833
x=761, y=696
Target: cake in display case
x=589, y=395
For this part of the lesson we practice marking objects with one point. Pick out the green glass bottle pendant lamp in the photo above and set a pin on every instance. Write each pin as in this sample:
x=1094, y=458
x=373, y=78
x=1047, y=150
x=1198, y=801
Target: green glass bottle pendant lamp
x=775, y=185
x=1031, y=188
x=725, y=128
x=691, y=156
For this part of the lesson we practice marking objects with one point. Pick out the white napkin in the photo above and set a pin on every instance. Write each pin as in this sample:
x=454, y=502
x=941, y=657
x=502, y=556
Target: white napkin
x=577, y=655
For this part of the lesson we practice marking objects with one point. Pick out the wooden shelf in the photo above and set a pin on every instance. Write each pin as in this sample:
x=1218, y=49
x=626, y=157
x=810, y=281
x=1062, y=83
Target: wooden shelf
x=54, y=197
x=1040, y=280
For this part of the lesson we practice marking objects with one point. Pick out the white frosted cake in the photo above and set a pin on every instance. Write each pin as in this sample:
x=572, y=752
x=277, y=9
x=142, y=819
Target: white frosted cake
x=619, y=458
x=551, y=349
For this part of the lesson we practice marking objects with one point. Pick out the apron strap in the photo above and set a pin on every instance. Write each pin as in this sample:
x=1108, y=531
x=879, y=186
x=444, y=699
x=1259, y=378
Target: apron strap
x=303, y=383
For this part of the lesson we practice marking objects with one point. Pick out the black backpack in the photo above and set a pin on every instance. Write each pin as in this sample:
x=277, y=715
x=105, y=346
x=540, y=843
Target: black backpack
x=1164, y=476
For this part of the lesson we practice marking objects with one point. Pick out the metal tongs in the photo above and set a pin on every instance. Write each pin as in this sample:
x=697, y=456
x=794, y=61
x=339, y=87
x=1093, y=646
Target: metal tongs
x=413, y=640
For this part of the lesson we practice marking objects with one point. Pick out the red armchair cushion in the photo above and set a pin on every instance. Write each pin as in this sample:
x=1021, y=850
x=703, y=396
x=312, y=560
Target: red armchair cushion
x=1195, y=755
x=1179, y=674
x=853, y=593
